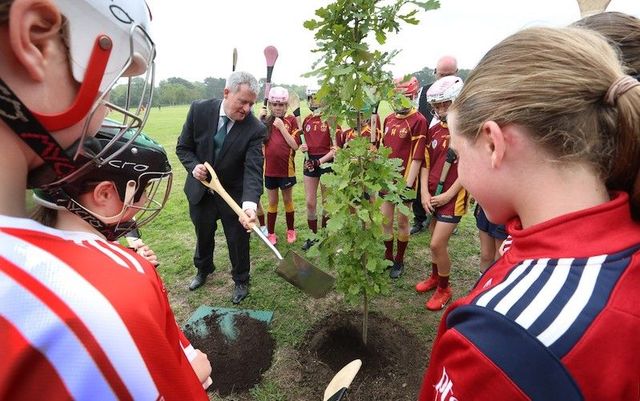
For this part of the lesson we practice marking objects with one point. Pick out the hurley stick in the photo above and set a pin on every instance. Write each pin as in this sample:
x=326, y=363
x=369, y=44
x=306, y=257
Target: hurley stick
x=590, y=7
x=270, y=55
x=235, y=59
x=451, y=157
x=374, y=124
x=294, y=104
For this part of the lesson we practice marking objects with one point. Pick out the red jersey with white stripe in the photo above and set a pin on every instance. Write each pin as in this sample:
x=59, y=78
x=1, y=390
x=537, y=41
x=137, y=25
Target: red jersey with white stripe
x=405, y=134
x=317, y=135
x=555, y=318
x=436, y=156
x=279, y=157
x=349, y=134
x=83, y=318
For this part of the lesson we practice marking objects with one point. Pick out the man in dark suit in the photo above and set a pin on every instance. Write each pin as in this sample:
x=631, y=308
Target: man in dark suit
x=227, y=135
x=446, y=65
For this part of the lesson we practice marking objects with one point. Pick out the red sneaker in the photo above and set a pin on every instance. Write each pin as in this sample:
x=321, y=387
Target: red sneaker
x=291, y=236
x=428, y=284
x=439, y=299
x=272, y=238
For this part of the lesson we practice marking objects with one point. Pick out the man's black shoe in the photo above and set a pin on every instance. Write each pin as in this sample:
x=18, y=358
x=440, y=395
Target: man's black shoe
x=198, y=281
x=396, y=270
x=417, y=227
x=240, y=292
x=308, y=244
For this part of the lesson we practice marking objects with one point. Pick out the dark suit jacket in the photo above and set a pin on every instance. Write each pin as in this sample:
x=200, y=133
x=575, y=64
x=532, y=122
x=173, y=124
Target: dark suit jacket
x=423, y=106
x=240, y=161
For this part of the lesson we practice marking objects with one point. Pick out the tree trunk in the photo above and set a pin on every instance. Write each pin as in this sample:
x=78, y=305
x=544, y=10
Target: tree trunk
x=365, y=317
x=365, y=304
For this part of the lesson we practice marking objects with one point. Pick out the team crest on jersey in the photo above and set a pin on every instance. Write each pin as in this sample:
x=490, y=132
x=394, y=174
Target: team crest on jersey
x=307, y=128
x=434, y=143
x=403, y=133
x=444, y=388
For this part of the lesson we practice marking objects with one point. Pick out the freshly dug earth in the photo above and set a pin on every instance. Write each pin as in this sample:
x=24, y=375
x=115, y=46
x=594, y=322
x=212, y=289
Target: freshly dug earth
x=393, y=361
x=237, y=363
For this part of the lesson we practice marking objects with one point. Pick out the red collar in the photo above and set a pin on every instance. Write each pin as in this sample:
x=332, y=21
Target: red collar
x=602, y=229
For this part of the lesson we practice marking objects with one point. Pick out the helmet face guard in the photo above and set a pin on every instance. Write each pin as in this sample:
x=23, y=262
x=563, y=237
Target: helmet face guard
x=138, y=94
x=444, y=90
x=312, y=101
x=408, y=87
x=141, y=174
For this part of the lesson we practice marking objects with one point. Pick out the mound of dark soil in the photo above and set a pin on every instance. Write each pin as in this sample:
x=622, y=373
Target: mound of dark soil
x=393, y=360
x=237, y=363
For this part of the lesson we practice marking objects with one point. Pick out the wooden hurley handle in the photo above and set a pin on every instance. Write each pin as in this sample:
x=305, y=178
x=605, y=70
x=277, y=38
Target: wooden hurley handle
x=235, y=59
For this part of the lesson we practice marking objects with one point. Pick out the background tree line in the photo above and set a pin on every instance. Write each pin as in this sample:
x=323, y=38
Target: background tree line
x=177, y=91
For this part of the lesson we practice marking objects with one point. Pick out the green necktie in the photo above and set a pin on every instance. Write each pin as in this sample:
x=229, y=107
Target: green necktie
x=218, y=140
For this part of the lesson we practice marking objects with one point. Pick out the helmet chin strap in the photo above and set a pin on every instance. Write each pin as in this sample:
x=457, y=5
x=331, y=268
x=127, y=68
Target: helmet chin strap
x=88, y=91
x=111, y=227
x=126, y=204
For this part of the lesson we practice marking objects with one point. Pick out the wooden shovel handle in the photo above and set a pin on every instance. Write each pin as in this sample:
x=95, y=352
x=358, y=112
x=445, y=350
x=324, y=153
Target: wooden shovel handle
x=217, y=186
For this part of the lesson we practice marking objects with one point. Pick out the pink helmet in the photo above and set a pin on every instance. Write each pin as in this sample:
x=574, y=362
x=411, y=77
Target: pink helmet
x=278, y=94
x=444, y=89
x=407, y=87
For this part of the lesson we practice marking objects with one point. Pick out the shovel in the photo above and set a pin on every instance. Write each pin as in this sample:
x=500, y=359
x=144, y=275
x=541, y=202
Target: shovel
x=293, y=267
x=338, y=386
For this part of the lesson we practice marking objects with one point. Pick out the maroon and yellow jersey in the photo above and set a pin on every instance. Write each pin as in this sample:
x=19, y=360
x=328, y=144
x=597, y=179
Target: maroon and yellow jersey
x=405, y=134
x=279, y=157
x=436, y=155
x=349, y=134
x=317, y=135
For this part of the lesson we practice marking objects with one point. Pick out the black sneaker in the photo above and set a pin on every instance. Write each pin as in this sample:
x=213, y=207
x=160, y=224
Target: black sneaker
x=308, y=244
x=396, y=270
x=417, y=227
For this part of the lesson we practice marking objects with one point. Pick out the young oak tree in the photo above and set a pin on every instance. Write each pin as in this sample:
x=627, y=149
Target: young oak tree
x=352, y=80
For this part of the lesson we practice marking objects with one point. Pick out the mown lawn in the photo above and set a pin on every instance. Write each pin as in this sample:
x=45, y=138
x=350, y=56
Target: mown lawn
x=171, y=236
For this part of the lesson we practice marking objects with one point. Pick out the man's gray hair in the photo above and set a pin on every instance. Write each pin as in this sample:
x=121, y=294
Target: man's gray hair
x=238, y=78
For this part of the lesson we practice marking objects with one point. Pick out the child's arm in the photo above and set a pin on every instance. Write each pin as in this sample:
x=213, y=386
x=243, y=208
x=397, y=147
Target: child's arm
x=425, y=195
x=446, y=196
x=291, y=141
x=414, y=170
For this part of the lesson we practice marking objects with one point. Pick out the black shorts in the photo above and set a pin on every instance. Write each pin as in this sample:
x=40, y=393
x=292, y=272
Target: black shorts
x=279, y=182
x=496, y=231
x=317, y=172
x=447, y=218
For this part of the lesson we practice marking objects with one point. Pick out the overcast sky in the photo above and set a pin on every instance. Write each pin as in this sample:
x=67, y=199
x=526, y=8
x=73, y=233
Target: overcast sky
x=195, y=38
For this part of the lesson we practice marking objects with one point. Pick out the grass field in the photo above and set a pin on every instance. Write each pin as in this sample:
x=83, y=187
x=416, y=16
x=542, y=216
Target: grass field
x=171, y=235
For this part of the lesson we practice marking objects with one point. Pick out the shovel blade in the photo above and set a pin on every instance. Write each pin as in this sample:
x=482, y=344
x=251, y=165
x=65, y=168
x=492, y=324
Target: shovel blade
x=307, y=277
